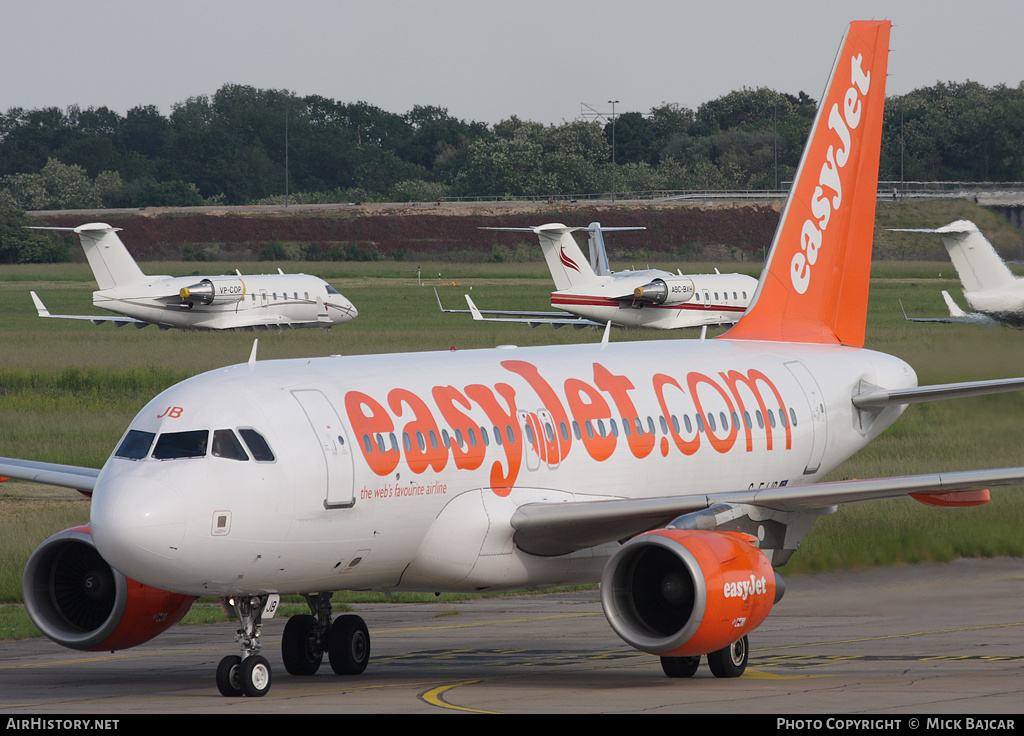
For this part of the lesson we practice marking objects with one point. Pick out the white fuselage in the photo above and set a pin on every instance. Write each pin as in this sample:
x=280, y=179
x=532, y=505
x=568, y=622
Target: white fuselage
x=387, y=470
x=716, y=299
x=273, y=300
x=1005, y=304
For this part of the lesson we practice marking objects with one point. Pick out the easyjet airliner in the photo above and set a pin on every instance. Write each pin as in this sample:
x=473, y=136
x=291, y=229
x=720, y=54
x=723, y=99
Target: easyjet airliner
x=509, y=467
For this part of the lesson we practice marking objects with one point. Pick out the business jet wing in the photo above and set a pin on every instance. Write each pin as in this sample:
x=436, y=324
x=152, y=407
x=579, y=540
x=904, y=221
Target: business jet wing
x=555, y=318
x=53, y=474
x=956, y=315
x=119, y=320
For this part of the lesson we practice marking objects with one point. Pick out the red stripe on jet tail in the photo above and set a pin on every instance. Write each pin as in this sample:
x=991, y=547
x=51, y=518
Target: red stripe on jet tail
x=567, y=261
x=815, y=285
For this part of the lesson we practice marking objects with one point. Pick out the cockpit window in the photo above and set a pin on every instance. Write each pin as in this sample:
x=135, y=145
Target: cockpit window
x=174, y=445
x=226, y=445
x=135, y=445
x=258, y=446
x=331, y=289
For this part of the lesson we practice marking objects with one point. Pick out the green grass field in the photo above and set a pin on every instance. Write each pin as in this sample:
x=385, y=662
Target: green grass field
x=69, y=389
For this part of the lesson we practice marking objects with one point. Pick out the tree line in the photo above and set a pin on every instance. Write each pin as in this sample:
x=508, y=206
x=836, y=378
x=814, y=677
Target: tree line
x=243, y=145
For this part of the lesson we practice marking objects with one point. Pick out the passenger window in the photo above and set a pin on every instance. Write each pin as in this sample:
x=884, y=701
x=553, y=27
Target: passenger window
x=258, y=446
x=175, y=445
x=135, y=445
x=792, y=416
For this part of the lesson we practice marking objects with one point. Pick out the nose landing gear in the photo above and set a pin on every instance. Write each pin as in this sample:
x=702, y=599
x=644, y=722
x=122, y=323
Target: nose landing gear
x=250, y=673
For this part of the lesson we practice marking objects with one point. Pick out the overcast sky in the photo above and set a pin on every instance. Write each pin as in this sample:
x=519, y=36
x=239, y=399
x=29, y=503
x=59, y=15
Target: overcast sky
x=483, y=60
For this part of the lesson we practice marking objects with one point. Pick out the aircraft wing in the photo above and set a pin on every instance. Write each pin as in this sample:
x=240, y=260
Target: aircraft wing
x=120, y=321
x=561, y=528
x=956, y=315
x=54, y=474
x=547, y=529
x=556, y=318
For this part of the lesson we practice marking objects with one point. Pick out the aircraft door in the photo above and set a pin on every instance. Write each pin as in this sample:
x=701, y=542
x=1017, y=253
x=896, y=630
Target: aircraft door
x=816, y=404
x=707, y=299
x=549, y=438
x=532, y=438
x=333, y=440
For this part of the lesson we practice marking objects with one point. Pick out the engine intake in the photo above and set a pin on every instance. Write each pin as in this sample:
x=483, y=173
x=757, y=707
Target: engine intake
x=81, y=602
x=665, y=291
x=683, y=593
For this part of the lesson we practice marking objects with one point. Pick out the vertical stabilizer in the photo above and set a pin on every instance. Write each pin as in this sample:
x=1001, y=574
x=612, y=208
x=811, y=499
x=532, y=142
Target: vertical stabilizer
x=814, y=287
x=568, y=266
x=975, y=260
x=598, y=254
x=109, y=260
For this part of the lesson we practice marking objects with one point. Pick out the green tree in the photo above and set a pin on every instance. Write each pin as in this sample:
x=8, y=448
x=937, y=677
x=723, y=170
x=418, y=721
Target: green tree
x=20, y=244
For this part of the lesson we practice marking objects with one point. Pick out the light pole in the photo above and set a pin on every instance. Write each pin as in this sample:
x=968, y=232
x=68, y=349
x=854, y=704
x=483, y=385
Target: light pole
x=613, y=103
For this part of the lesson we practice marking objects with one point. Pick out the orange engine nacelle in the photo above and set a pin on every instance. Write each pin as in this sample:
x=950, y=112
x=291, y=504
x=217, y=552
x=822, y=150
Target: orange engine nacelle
x=682, y=593
x=81, y=602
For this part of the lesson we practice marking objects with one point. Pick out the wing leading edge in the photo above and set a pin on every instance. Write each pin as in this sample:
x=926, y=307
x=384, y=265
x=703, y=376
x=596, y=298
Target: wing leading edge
x=54, y=474
x=563, y=528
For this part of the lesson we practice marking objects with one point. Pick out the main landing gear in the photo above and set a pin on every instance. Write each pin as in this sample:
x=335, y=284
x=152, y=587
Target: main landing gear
x=306, y=639
x=730, y=661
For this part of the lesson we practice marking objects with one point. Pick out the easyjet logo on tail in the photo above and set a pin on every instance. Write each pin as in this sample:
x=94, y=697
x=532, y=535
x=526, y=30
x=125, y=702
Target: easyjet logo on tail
x=828, y=195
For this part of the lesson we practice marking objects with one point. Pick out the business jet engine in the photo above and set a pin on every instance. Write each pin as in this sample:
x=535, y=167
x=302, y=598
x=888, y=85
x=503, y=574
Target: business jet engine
x=81, y=602
x=214, y=291
x=665, y=291
x=684, y=593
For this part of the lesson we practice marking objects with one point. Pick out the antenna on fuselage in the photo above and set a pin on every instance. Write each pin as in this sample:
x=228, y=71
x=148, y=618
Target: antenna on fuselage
x=252, y=355
x=607, y=332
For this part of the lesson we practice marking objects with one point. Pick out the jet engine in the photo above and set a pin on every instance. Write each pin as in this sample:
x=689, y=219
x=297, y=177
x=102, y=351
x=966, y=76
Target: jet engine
x=80, y=602
x=665, y=291
x=210, y=291
x=684, y=593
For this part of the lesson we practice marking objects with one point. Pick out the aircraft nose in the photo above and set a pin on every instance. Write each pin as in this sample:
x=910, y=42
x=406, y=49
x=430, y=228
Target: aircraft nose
x=138, y=527
x=346, y=311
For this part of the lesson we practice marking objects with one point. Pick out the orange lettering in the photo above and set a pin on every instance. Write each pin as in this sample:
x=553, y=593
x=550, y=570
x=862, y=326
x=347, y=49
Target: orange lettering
x=368, y=418
x=501, y=418
x=550, y=400
x=587, y=411
x=725, y=444
x=687, y=447
x=467, y=448
x=422, y=429
x=619, y=387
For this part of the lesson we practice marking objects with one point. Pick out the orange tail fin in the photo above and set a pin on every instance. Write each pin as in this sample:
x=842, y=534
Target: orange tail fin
x=814, y=287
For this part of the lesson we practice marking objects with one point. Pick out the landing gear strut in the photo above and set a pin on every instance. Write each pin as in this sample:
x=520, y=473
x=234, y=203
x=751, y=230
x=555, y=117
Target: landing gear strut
x=248, y=674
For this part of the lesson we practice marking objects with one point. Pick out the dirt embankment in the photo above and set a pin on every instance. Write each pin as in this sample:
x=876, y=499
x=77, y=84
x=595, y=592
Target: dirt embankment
x=446, y=232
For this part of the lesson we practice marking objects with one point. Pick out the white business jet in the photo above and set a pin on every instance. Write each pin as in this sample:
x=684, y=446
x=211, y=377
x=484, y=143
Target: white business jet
x=677, y=473
x=991, y=289
x=591, y=294
x=272, y=301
